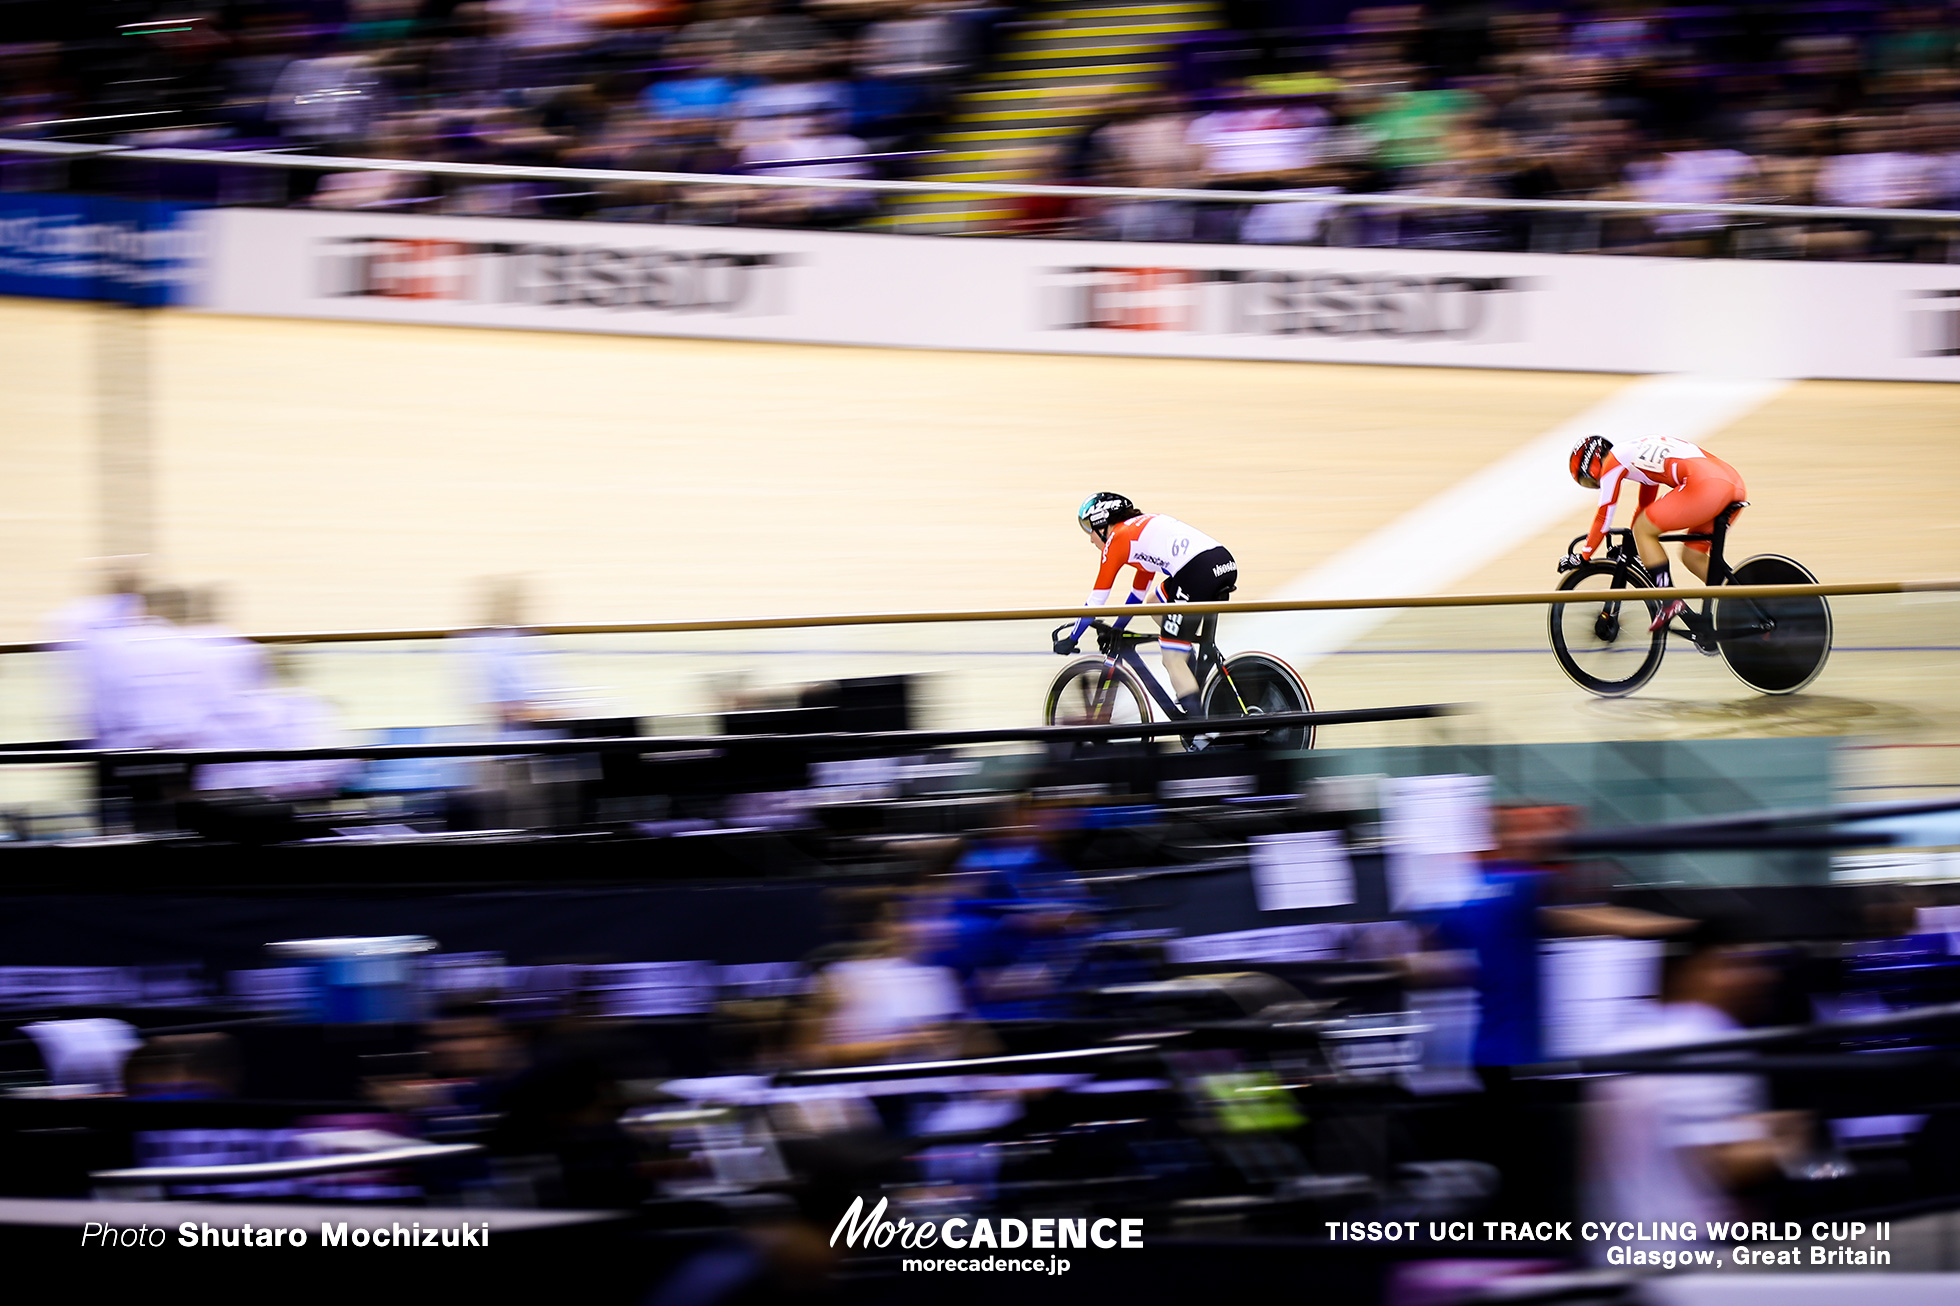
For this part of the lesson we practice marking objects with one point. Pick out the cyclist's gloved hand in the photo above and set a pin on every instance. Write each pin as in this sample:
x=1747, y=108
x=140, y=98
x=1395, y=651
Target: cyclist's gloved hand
x=1571, y=562
x=1064, y=644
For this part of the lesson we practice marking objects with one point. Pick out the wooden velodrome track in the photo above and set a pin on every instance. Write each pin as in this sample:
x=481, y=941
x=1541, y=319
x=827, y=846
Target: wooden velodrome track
x=336, y=475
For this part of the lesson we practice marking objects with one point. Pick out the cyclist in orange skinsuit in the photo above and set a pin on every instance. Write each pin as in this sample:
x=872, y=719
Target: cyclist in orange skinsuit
x=1700, y=486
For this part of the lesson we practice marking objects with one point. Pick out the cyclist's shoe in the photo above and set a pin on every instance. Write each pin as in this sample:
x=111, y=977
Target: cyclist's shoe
x=1669, y=611
x=1192, y=705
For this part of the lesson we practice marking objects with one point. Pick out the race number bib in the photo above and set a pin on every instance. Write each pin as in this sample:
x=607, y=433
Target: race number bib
x=1650, y=453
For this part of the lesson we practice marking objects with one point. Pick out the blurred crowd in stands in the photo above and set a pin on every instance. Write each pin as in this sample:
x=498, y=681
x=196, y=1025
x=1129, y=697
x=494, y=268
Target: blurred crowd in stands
x=1848, y=103
x=153, y=667
x=827, y=88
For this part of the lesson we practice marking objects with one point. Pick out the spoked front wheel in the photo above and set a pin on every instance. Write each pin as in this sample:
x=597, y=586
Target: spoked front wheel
x=1091, y=692
x=1774, y=645
x=1258, y=684
x=1602, y=641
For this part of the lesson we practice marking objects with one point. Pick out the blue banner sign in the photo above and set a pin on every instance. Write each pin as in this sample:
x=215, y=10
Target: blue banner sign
x=139, y=252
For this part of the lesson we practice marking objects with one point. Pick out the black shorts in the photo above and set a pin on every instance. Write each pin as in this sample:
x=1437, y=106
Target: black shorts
x=1208, y=578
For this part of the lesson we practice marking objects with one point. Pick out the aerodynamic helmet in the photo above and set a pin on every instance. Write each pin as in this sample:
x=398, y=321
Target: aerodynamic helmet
x=1101, y=511
x=1588, y=459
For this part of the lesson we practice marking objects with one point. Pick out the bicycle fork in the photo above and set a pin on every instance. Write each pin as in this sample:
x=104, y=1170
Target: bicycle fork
x=1231, y=684
x=1104, y=699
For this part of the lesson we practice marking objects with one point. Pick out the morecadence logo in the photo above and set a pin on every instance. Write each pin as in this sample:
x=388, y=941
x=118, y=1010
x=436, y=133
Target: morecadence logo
x=860, y=1229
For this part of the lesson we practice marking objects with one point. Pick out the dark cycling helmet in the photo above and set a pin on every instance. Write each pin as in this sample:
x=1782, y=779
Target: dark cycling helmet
x=1101, y=511
x=1588, y=458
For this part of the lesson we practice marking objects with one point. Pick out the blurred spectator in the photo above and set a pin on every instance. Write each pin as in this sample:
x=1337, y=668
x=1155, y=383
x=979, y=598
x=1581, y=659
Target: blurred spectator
x=283, y=713
x=326, y=100
x=1875, y=171
x=183, y=1068
x=882, y=1003
x=1690, y=173
x=1524, y=898
x=1492, y=940
x=505, y=677
x=1685, y=1147
x=84, y=1057
x=1290, y=224
x=1258, y=140
x=804, y=146
x=1013, y=925
x=89, y=633
x=468, y=1054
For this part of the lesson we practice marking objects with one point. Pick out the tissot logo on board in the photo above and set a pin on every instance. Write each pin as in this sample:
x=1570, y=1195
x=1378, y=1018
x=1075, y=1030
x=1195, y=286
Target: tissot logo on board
x=553, y=275
x=1269, y=301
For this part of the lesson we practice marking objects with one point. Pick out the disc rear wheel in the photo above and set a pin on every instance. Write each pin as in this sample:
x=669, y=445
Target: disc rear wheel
x=1774, y=645
x=1259, y=684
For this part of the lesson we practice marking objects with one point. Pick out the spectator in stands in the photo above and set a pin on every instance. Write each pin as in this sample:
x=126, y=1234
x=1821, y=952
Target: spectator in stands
x=1686, y=1147
x=1290, y=224
x=805, y=144
x=183, y=1068
x=1144, y=142
x=882, y=1003
x=756, y=31
x=328, y=100
x=233, y=674
x=505, y=677
x=468, y=1055
x=284, y=713
x=1011, y=923
x=791, y=100
x=1413, y=127
x=1492, y=942
x=89, y=633
x=1691, y=172
x=711, y=77
x=470, y=66
x=1258, y=141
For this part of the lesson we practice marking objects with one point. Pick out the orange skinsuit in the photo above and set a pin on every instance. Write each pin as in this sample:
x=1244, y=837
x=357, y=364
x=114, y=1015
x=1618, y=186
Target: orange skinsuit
x=1701, y=486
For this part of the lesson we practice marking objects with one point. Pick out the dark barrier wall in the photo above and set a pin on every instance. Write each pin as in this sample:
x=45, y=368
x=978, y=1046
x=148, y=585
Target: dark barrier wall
x=732, y=924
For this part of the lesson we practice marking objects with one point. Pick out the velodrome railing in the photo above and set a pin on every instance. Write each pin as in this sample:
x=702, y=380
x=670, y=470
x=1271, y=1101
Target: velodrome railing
x=1248, y=608
x=407, y=705
x=959, y=189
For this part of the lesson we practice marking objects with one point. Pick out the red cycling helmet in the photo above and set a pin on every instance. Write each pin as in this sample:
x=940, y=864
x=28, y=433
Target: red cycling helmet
x=1588, y=459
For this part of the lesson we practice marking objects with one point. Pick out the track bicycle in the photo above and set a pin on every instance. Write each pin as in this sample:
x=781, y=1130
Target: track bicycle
x=1114, y=687
x=1775, y=645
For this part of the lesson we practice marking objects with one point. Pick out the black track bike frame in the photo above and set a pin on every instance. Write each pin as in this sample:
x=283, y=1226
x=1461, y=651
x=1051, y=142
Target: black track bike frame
x=1700, y=625
x=1121, y=646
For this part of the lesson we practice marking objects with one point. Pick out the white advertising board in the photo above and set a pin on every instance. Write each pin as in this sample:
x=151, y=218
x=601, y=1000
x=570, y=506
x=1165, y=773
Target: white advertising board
x=1560, y=312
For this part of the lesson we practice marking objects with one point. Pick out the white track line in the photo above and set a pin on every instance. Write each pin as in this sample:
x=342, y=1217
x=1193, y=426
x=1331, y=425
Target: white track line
x=1487, y=515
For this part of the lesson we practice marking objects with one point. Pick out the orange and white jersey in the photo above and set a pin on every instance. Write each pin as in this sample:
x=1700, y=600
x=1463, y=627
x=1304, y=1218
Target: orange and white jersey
x=1653, y=462
x=1154, y=545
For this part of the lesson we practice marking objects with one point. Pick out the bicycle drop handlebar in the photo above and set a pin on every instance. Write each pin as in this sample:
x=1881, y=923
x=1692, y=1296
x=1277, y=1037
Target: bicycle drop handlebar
x=1108, y=638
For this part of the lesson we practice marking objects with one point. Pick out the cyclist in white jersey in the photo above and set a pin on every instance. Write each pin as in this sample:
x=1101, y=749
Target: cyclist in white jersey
x=1180, y=562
